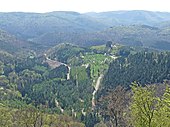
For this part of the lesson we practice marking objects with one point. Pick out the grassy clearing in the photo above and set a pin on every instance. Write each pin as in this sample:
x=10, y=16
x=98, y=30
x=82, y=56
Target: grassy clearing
x=79, y=73
x=98, y=63
x=99, y=47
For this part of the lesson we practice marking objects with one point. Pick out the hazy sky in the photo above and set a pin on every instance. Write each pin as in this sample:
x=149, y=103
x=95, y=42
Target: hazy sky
x=83, y=5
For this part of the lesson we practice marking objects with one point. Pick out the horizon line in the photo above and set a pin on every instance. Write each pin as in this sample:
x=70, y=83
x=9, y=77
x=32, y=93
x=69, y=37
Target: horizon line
x=81, y=12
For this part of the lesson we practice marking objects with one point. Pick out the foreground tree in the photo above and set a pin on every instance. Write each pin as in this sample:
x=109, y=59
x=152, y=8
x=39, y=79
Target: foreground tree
x=148, y=109
x=112, y=107
x=142, y=106
x=32, y=117
x=163, y=111
x=5, y=117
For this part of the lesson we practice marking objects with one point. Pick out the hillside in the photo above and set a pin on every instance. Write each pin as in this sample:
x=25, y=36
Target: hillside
x=45, y=30
x=113, y=18
x=67, y=69
x=69, y=88
x=10, y=43
x=142, y=67
x=140, y=35
x=30, y=25
x=69, y=79
x=131, y=35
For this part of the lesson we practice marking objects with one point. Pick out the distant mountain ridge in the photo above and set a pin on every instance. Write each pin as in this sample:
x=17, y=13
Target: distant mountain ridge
x=131, y=17
x=30, y=25
x=48, y=29
x=132, y=35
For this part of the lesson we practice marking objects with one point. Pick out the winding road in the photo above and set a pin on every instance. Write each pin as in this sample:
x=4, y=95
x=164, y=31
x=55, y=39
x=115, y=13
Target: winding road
x=54, y=63
x=96, y=88
x=69, y=68
x=58, y=105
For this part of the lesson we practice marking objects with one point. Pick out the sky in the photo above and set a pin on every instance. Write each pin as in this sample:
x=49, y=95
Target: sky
x=82, y=6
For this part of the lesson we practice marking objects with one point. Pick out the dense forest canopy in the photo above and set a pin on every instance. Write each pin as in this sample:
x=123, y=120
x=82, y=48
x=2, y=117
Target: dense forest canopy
x=143, y=67
x=41, y=31
x=66, y=69
x=74, y=86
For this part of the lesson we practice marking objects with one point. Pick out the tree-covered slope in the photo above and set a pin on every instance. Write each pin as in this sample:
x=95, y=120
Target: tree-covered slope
x=64, y=51
x=71, y=87
x=30, y=25
x=142, y=67
x=48, y=29
x=140, y=35
x=113, y=18
x=29, y=116
x=10, y=43
x=131, y=35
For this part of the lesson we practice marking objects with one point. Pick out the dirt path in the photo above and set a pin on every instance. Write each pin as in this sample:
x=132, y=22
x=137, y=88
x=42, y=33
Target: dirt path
x=68, y=74
x=69, y=68
x=96, y=89
x=58, y=105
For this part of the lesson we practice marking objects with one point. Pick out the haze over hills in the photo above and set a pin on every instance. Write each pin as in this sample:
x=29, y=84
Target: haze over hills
x=100, y=69
x=10, y=43
x=48, y=29
x=130, y=17
x=132, y=35
x=29, y=25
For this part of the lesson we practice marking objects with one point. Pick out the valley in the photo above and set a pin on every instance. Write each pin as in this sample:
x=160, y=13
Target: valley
x=73, y=69
x=40, y=32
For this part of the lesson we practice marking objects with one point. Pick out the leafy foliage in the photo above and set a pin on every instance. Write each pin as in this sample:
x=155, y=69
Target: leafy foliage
x=31, y=117
x=32, y=81
x=147, y=109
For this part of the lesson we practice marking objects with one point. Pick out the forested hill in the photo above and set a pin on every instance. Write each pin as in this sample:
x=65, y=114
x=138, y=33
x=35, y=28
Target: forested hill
x=45, y=30
x=10, y=43
x=69, y=69
x=132, y=35
x=142, y=67
x=34, y=91
x=30, y=25
x=113, y=18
